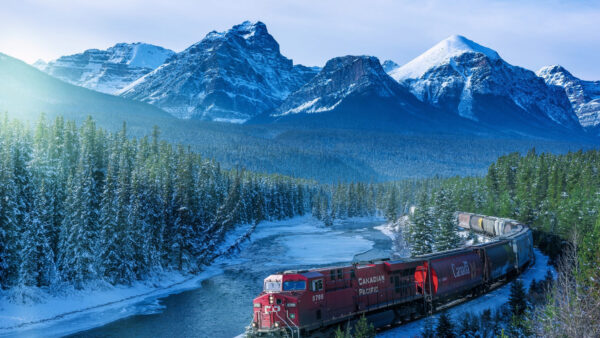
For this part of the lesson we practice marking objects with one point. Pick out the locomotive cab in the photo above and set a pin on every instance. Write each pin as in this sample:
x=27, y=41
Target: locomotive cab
x=276, y=308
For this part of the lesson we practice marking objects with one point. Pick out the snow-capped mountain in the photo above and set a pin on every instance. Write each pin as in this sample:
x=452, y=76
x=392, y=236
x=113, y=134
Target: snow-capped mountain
x=472, y=81
x=228, y=76
x=584, y=95
x=341, y=78
x=355, y=92
x=109, y=70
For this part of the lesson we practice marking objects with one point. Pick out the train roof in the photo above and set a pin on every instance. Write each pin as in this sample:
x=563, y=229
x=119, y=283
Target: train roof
x=441, y=254
x=312, y=274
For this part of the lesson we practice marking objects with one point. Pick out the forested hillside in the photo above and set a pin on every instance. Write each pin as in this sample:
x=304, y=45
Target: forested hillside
x=81, y=204
x=557, y=195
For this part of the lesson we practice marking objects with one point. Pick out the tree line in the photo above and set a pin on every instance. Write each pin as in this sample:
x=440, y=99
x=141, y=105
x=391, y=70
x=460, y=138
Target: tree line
x=79, y=204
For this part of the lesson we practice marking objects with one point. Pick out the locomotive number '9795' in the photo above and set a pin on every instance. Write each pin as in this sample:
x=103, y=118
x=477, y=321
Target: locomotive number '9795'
x=312, y=302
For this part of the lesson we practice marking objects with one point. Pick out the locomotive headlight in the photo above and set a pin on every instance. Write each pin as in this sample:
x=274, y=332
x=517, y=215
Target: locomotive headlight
x=271, y=299
x=291, y=305
x=253, y=324
x=292, y=315
x=276, y=324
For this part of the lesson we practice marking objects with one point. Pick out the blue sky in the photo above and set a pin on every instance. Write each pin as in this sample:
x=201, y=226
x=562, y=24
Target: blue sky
x=526, y=33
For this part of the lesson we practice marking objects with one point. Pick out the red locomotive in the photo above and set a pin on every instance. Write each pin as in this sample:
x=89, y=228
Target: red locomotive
x=313, y=302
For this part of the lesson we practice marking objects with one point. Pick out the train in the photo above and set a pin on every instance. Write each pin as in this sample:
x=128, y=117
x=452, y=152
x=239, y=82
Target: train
x=298, y=303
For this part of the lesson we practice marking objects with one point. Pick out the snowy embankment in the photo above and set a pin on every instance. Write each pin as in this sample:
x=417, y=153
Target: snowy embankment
x=82, y=309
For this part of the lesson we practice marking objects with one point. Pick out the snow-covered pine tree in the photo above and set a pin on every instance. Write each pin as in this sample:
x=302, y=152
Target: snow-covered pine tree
x=391, y=209
x=37, y=266
x=80, y=225
x=445, y=234
x=9, y=230
x=421, y=229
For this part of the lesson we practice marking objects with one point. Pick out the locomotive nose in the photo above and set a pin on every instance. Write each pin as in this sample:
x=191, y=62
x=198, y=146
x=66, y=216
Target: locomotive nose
x=273, y=312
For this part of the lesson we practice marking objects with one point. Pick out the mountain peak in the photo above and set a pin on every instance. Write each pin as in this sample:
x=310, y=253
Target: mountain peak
x=583, y=95
x=252, y=33
x=250, y=27
x=341, y=78
x=389, y=65
x=553, y=69
x=439, y=54
x=108, y=70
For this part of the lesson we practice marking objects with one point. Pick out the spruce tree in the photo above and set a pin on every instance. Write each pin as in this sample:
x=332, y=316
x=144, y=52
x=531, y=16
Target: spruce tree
x=391, y=210
x=37, y=257
x=421, y=230
x=517, y=299
x=363, y=329
x=445, y=326
x=445, y=235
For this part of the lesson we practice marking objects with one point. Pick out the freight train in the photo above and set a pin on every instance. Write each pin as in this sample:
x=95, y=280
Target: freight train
x=314, y=302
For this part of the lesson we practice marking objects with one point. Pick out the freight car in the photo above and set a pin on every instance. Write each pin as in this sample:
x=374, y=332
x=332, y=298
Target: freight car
x=313, y=302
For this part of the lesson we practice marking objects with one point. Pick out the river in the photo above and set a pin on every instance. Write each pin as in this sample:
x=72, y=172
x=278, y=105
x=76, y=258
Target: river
x=222, y=305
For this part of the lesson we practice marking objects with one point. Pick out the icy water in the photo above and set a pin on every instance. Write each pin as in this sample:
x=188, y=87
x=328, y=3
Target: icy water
x=222, y=306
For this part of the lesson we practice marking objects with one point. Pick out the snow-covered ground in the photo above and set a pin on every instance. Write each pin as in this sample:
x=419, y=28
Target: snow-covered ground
x=77, y=310
x=492, y=300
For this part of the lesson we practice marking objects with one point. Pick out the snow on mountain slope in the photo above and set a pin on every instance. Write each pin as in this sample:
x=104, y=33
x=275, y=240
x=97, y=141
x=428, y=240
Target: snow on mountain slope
x=441, y=53
x=463, y=77
x=583, y=95
x=228, y=76
x=109, y=70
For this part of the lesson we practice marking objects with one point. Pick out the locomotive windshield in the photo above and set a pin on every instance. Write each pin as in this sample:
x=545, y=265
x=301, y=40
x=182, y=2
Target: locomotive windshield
x=272, y=286
x=294, y=285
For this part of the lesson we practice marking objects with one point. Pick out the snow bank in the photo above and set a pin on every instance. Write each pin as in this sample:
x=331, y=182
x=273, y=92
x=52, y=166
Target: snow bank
x=492, y=300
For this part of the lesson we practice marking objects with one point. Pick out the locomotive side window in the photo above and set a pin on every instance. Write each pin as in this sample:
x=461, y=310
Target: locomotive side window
x=352, y=275
x=317, y=285
x=340, y=275
x=332, y=274
x=294, y=285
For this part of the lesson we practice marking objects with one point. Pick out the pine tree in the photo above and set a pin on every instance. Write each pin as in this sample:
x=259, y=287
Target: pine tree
x=79, y=227
x=421, y=230
x=445, y=236
x=445, y=326
x=517, y=299
x=391, y=210
x=363, y=329
x=37, y=257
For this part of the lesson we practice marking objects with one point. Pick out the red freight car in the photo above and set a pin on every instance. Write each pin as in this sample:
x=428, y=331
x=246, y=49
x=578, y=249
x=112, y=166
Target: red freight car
x=450, y=274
